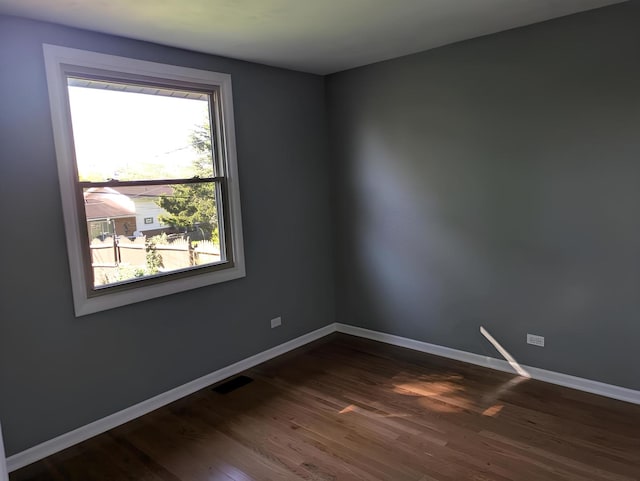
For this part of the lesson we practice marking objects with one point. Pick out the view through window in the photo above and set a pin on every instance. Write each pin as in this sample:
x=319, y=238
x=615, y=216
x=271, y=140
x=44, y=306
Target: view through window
x=150, y=177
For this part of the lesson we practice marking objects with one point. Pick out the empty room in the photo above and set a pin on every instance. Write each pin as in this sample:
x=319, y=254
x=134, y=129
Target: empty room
x=332, y=240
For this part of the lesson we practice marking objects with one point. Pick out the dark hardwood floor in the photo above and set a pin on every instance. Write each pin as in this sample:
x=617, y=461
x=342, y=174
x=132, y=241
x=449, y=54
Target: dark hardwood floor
x=345, y=408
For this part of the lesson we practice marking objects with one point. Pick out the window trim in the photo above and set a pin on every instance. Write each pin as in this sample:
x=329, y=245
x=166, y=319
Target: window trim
x=57, y=62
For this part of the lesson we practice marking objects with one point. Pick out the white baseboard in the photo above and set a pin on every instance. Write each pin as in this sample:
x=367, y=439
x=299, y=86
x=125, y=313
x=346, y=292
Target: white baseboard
x=83, y=433
x=4, y=475
x=595, y=387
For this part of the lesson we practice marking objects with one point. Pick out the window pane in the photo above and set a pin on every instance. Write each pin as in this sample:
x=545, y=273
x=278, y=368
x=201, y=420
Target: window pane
x=133, y=132
x=125, y=246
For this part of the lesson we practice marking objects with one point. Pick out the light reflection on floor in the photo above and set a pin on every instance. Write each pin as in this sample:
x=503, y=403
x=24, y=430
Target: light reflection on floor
x=446, y=393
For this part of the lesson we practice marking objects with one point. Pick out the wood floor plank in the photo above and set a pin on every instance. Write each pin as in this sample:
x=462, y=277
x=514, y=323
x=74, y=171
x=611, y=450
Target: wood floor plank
x=351, y=409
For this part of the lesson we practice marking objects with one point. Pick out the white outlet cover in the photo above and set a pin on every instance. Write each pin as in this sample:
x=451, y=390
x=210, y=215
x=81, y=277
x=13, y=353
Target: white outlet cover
x=275, y=322
x=535, y=340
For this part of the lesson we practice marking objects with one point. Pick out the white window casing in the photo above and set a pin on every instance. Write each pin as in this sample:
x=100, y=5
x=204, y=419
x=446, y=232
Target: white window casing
x=57, y=61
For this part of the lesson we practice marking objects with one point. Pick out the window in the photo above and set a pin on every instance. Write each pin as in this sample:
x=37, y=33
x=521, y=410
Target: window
x=148, y=176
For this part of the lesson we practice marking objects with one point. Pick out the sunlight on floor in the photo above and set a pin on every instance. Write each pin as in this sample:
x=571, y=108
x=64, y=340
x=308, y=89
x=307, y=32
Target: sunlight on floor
x=348, y=409
x=493, y=411
x=446, y=392
x=440, y=393
x=490, y=397
x=428, y=389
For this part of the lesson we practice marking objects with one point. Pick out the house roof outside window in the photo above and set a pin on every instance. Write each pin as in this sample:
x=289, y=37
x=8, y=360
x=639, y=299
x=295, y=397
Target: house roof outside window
x=106, y=202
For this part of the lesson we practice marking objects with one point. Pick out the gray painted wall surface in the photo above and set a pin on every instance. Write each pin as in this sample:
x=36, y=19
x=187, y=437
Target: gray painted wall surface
x=496, y=183
x=58, y=372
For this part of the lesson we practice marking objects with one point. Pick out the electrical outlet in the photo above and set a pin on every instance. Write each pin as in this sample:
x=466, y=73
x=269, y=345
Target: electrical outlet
x=535, y=340
x=275, y=322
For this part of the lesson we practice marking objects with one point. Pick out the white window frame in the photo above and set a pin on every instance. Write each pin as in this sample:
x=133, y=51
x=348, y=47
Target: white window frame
x=57, y=59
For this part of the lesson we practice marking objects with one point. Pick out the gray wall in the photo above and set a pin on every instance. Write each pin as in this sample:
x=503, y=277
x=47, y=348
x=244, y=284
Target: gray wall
x=492, y=183
x=58, y=372
x=496, y=183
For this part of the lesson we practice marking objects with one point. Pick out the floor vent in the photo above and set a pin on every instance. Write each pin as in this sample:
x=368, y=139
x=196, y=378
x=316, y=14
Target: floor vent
x=232, y=384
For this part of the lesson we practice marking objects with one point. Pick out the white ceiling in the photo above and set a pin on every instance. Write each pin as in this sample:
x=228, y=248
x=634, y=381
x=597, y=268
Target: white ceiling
x=319, y=36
